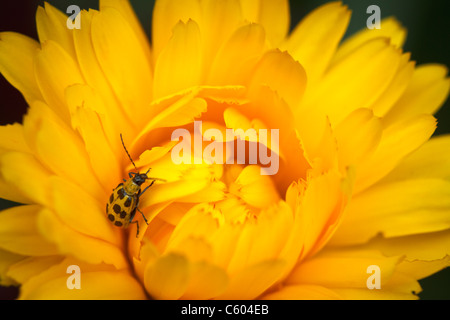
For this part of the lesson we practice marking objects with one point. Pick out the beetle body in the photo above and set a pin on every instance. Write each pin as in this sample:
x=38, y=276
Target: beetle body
x=124, y=200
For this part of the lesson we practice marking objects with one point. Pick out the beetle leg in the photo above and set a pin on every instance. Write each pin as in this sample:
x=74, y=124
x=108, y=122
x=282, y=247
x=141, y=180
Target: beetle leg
x=137, y=227
x=145, y=219
x=140, y=194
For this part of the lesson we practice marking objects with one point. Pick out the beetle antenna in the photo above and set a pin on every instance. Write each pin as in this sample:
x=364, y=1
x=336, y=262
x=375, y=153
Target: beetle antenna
x=127, y=152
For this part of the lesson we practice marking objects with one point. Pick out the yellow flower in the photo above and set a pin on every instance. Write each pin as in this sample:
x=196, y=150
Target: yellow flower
x=360, y=183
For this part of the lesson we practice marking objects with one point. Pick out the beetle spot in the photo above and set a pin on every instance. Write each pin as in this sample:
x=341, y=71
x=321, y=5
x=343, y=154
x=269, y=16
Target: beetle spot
x=117, y=208
x=127, y=202
x=111, y=217
x=111, y=198
x=123, y=214
x=118, y=223
x=121, y=193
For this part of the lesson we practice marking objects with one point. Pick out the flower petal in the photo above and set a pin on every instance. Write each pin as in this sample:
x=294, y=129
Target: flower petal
x=396, y=209
x=27, y=268
x=273, y=15
x=166, y=14
x=59, y=148
x=315, y=39
x=56, y=70
x=8, y=259
x=280, y=72
x=252, y=281
x=17, y=55
x=302, y=292
x=19, y=232
x=52, y=25
x=26, y=177
x=342, y=269
x=126, y=10
x=358, y=135
x=79, y=210
x=206, y=282
x=356, y=93
x=86, y=248
x=233, y=65
x=100, y=87
x=391, y=29
x=255, y=189
x=12, y=138
x=426, y=93
x=396, y=88
x=168, y=277
x=97, y=282
x=123, y=61
x=262, y=238
x=174, y=71
x=427, y=246
x=397, y=141
x=431, y=160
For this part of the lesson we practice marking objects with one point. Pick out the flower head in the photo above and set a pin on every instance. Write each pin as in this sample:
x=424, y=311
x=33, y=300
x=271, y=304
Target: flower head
x=359, y=183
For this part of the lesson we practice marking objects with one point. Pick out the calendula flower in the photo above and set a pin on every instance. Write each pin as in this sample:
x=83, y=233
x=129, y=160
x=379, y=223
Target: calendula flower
x=359, y=186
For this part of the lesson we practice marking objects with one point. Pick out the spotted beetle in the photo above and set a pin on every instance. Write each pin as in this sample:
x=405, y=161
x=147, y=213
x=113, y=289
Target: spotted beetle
x=124, y=200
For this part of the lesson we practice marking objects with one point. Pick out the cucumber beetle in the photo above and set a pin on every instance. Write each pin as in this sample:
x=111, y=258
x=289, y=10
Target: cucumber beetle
x=124, y=200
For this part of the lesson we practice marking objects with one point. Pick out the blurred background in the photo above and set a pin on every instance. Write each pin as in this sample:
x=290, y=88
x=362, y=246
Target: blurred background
x=428, y=40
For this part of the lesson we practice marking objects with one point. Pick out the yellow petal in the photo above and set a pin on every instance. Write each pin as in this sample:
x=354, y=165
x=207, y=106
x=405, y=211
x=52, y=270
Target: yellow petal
x=97, y=80
x=81, y=211
x=418, y=269
x=104, y=160
x=59, y=148
x=12, y=138
x=29, y=267
x=302, y=292
x=391, y=29
x=255, y=189
x=167, y=278
x=252, y=281
x=426, y=246
x=166, y=14
x=52, y=25
x=397, y=141
x=426, y=93
x=357, y=137
x=17, y=56
x=124, y=62
x=206, y=282
x=366, y=294
x=365, y=85
x=262, y=238
x=19, y=232
x=396, y=88
x=96, y=281
x=278, y=71
x=396, y=209
x=233, y=65
x=56, y=70
x=343, y=269
x=317, y=140
x=26, y=176
x=174, y=71
x=126, y=10
x=8, y=259
x=431, y=160
x=318, y=219
x=316, y=37
x=179, y=113
x=86, y=248
x=273, y=15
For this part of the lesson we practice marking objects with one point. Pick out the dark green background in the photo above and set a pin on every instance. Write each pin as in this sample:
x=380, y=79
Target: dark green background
x=428, y=40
